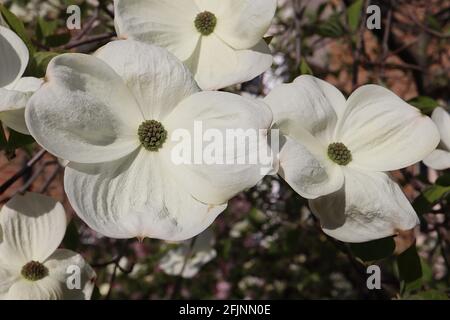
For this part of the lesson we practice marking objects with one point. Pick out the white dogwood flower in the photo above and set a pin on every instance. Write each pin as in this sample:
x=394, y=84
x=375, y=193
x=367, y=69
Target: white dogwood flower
x=334, y=151
x=113, y=115
x=220, y=41
x=14, y=90
x=32, y=267
x=439, y=159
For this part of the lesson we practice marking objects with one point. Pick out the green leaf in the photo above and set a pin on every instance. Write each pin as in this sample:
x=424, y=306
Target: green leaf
x=71, y=239
x=433, y=23
x=16, y=140
x=435, y=193
x=331, y=28
x=69, y=2
x=40, y=62
x=46, y=33
x=354, y=15
x=410, y=270
x=304, y=67
x=427, y=272
x=257, y=217
x=425, y=104
x=57, y=40
x=17, y=26
x=227, y=245
x=373, y=250
x=45, y=28
x=423, y=203
x=321, y=9
x=443, y=180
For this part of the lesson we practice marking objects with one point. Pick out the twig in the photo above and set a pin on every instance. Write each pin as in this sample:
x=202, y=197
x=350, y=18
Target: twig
x=92, y=39
x=111, y=282
x=298, y=12
x=179, y=281
x=88, y=26
x=38, y=156
x=34, y=177
x=405, y=53
x=104, y=7
x=443, y=245
x=104, y=264
x=30, y=181
x=126, y=271
x=49, y=180
x=359, y=270
x=40, y=45
x=425, y=28
x=403, y=66
x=385, y=45
x=404, y=47
x=116, y=266
x=359, y=47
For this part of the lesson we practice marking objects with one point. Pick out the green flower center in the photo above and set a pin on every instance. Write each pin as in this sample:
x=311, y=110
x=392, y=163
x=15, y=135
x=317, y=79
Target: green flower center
x=34, y=271
x=152, y=135
x=205, y=22
x=339, y=153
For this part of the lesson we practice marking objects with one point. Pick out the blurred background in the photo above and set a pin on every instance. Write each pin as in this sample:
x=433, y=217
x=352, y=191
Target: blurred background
x=267, y=244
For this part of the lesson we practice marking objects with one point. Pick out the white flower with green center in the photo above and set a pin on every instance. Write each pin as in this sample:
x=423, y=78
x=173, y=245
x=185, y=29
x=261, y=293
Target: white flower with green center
x=14, y=90
x=221, y=41
x=112, y=117
x=334, y=151
x=32, y=267
x=439, y=159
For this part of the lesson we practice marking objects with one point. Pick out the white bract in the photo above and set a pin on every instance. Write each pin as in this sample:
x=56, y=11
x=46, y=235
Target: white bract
x=14, y=90
x=32, y=267
x=112, y=116
x=334, y=151
x=221, y=41
x=439, y=159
